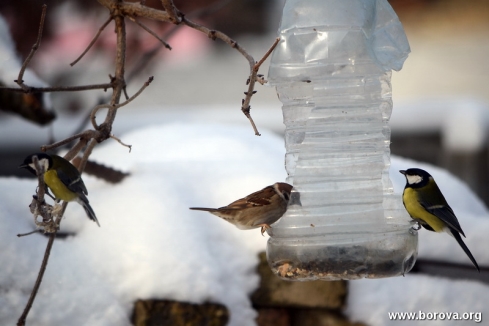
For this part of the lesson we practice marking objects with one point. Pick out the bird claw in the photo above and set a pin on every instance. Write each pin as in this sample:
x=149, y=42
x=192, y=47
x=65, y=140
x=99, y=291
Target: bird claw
x=264, y=227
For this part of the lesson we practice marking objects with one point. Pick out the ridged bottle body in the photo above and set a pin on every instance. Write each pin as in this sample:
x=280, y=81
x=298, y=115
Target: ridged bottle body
x=332, y=72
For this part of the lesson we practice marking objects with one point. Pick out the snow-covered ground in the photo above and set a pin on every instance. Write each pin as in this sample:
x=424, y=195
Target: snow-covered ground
x=150, y=245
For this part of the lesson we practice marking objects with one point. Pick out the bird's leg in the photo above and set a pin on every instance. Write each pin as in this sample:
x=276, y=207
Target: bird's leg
x=49, y=194
x=46, y=191
x=264, y=227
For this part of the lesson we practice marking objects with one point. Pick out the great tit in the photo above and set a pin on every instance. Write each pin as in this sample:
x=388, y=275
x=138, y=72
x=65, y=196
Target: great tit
x=426, y=205
x=63, y=179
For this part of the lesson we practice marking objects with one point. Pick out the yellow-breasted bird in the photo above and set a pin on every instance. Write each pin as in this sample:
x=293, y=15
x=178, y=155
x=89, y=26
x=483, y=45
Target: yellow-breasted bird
x=427, y=205
x=63, y=179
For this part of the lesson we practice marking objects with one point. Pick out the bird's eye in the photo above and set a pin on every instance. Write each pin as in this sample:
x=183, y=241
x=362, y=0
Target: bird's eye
x=286, y=195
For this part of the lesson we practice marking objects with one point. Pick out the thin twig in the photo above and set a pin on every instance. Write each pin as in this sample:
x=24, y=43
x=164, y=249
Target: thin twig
x=82, y=142
x=39, y=201
x=245, y=107
x=147, y=29
x=120, y=64
x=265, y=56
x=117, y=106
x=30, y=89
x=86, y=133
x=92, y=42
x=28, y=233
x=134, y=9
x=129, y=100
x=93, y=114
x=20, y=80
x=32, y=297
x=86, y=155
x=150, y=54
x=120, y=142
x=213, y=34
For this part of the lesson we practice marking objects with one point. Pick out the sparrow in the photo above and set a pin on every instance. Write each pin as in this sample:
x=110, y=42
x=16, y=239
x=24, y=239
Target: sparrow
x=259, y=209
x=62, y=178
x=426, y=204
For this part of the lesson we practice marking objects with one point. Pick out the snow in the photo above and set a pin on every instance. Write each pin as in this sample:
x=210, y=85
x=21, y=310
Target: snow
x=370, y=301
x=150, y=245
x=462, y=121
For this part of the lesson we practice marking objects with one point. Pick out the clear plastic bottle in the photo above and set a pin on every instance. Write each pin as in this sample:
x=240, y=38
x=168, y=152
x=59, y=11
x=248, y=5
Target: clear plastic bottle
x=332, y=71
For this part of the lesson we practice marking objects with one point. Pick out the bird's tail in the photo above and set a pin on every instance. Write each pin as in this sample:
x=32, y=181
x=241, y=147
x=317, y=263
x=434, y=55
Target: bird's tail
x=203, y=209
x=83, y=200
x=457, y=237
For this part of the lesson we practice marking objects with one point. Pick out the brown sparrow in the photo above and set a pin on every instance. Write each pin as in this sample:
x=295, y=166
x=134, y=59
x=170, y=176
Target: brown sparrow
x=260, y=209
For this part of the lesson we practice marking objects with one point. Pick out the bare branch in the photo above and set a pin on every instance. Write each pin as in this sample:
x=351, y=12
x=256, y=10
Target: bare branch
x=29, y=89
x=20, y=80
x=245, y=107
x=120, y=62
x=246, y=112
x=89, y=138
x=39, y=207
x=86, y=134
x=28, y=233
x=22, y=318
x=92, y=42
x=93, y=115
x=146, y=84
x=253, y=66
x=149, y=55
x=135, y=9
x=77, y=148
x=86, y=155
x=171, y=10
x=147, y=29
x=213, y=34
x=267, y=54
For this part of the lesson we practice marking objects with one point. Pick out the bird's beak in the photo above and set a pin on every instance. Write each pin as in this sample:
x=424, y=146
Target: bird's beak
x=403, y=172
x=22, y=166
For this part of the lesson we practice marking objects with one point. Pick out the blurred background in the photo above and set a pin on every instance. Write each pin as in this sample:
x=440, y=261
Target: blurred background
x=441, y=96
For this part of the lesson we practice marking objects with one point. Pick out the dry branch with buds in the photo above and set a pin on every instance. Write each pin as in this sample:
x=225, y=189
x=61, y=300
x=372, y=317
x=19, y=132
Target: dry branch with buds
x=86, y=140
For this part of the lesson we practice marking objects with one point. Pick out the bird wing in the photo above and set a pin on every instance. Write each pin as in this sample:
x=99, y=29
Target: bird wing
x=74, y=184
x=446, y=214
x=258, y=198
x=434, y=202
